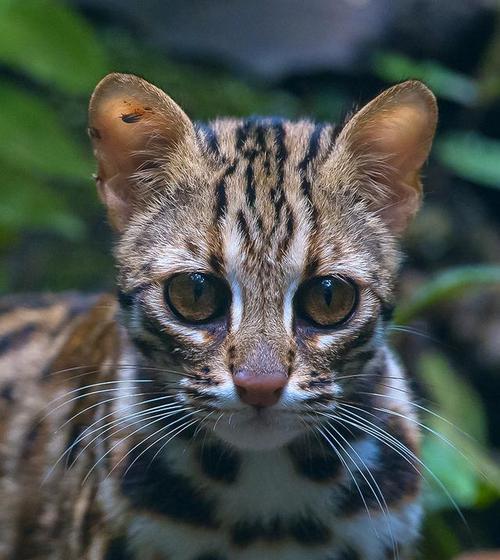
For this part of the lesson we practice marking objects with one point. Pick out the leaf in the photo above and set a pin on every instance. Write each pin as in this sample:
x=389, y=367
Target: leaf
x=446, y=83
x=446, y=286
x=458, y=456
x=34, y=139
x=471, y=156
x=28, y=203
x=51, y=42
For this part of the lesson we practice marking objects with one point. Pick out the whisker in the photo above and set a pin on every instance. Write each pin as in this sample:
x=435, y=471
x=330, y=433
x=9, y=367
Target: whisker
x=382, y=503
x=109, y=426
x=393, y=443
x=425, y=409
x=152, y=444
x=119, y=443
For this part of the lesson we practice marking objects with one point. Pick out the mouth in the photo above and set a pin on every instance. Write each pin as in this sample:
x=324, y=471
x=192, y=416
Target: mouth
x=256, y=428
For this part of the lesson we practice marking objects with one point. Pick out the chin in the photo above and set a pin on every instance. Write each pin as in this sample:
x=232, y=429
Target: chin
x=261, y=429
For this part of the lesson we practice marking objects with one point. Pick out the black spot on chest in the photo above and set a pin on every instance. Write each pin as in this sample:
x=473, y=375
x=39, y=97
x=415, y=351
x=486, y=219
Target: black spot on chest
x=303, y=530
x=219, y=462
x=313, y=460
x=152, y=485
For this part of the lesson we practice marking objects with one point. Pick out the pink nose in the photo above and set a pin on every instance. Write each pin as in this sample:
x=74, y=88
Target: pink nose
x=259, y=390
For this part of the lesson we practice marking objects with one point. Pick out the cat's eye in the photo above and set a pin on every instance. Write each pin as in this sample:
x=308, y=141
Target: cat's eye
x=326, y=301
x=196, y=297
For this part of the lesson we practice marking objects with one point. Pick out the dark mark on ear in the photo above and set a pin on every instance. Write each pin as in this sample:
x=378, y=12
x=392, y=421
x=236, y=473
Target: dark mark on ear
x=130, y=118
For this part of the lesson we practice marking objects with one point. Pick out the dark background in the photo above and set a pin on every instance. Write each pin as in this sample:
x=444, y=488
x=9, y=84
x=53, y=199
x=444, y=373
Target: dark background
x=288, y=57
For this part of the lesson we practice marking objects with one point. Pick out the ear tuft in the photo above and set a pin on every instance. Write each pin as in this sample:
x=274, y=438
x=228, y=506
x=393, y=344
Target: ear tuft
x=131, y=124
x=389, y=140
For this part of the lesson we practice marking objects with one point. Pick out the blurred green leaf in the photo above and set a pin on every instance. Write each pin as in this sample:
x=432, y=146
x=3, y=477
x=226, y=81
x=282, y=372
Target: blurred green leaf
x=33, y=138
x=395, y=67
x=28, y=203
x=48, y=40
x=203, y=93
x=447, y=285
x=458, y=456
x=471, y=156
x=440, y=542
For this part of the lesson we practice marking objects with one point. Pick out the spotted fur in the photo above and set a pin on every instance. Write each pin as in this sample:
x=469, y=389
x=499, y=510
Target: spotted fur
x=122, y=436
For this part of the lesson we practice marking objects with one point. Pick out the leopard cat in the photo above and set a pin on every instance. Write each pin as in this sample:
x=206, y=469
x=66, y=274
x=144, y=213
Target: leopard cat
x=237, y=399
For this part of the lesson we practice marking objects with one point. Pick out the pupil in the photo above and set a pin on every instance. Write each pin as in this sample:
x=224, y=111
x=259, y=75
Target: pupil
x=198, y=285
x=327, y=285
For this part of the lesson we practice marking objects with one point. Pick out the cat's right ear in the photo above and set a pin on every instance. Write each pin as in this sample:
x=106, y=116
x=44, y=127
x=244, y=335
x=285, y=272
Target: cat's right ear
x=133, y=126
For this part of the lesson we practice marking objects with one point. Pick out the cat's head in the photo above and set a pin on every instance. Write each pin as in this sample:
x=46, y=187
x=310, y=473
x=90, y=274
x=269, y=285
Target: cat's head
x=257, y=257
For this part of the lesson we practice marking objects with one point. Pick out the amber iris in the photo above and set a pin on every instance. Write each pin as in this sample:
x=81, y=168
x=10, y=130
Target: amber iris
x=326, y=301
x=196, y=297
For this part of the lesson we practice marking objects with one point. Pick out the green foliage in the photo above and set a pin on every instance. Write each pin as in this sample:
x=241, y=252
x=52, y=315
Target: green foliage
x=455, y=445
x=37, y=140
x=447, y=285
x=49, y=41
x=447, y=84
x=472, y=156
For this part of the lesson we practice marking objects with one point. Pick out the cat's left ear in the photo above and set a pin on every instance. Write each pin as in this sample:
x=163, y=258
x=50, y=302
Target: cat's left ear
x=383, y=147
x=133, y=125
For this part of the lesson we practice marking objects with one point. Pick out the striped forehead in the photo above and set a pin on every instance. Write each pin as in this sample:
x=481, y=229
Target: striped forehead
x=263, y=202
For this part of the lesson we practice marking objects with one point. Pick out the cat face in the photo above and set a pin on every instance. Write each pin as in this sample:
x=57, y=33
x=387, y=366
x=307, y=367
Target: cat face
x=257, y=257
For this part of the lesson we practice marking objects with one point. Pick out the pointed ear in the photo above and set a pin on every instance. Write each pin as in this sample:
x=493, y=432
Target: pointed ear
x=133, y=125
x=385, y=145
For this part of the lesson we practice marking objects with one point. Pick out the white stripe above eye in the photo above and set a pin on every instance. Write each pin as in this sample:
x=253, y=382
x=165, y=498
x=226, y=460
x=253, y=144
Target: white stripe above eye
x=236, y=304
x=288, y=306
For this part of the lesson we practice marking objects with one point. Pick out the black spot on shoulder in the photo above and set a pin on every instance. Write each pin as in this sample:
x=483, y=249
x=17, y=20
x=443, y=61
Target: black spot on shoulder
x=151, y=484
x=219, y=462
x=7, y=392
x=17, y=338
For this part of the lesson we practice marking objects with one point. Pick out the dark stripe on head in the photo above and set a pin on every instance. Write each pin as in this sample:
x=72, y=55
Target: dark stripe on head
x=244, y=229
x=242, y=133
x=19, y=337
x=310, y=155
x=152, y=485
x=250, y=190
x=219, y=462
x=220, y=193
x=209, y=138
